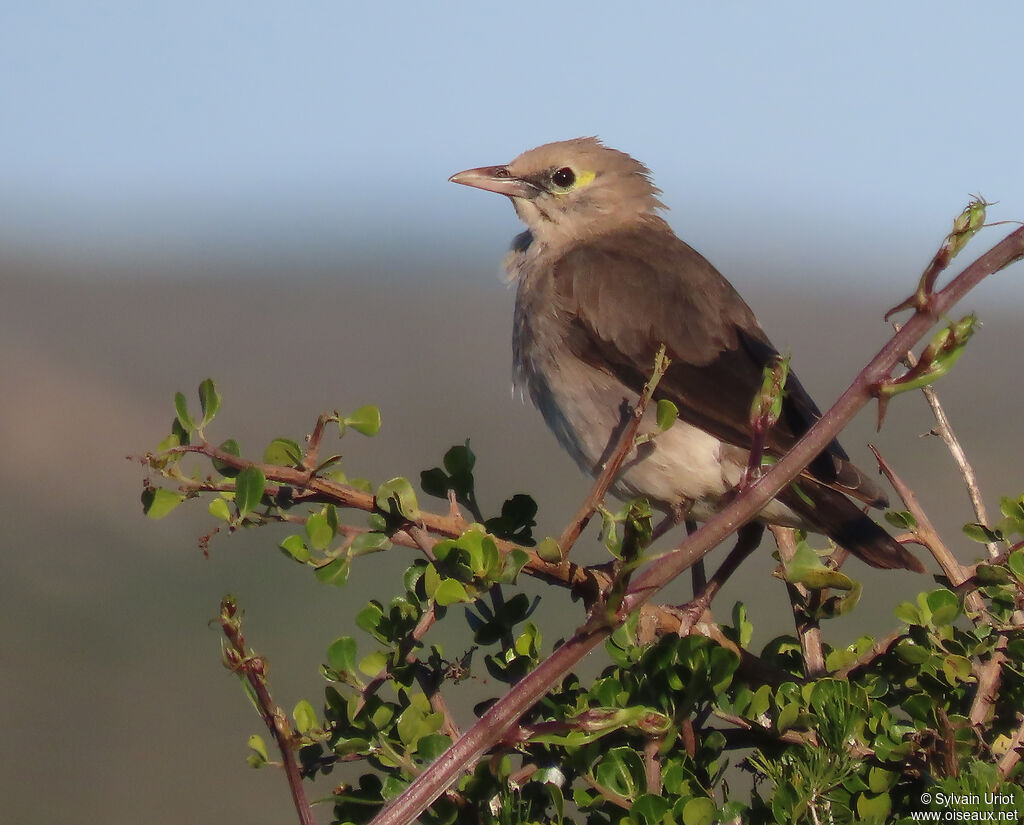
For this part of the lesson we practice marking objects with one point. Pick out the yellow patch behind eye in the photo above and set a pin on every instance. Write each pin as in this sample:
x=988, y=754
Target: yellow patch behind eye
x=583, y=178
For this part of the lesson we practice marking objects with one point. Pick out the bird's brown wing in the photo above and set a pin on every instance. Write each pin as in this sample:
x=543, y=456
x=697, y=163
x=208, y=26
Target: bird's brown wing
x=628, y=292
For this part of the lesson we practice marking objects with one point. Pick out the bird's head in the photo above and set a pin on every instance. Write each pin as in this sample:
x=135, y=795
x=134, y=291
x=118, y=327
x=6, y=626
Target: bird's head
x=572, y=189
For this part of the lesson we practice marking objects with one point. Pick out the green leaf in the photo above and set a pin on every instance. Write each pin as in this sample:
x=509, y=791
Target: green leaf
x=874, y=806
x=788, y=714
x=231, y=448
x=181, y=408
x=909, y=613
x=398, y=498
x=209, y=401
x=901, y=519
x=319, y=530
x=341, y=654
x=976, y=531
x=451, y=591
x=666, y=414
x=744, y=627
x=549, y=551
x=258, y=758
x=305, y=717
x=881, y=780
x=370, y=618
x=945, y=607
x=956, y=669
x=431, y=746
x=334, y=572
x=649, y=809
x=1016, y=564
x=283, y=452
x=410, y=726
x=219, y=509
x=1012, y=508
x=514, y=562
x=806, y=568
x=295, y=547
x=374, y=663
x=365, y=420
x=622, y=772
x=911, y=653
x=175, y=439
x=460, y=459
x=249, y=488
x=157, y=502
x=699, y=811
x=369, y=543
x=434, y=482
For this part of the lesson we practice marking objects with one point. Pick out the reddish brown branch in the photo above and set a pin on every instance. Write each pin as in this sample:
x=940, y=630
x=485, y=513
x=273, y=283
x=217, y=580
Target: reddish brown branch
x=927, y=535
x=802, y=601
x=1009, y=760
x=252, y=668
x=629, y=425
x=507, y=710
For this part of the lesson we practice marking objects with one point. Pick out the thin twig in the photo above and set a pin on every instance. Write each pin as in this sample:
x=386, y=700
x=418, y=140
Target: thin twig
x=408, y=653
x=311, y=456
x=303, y=488
x=606, y=793
x=628, y=426
x=241, y=660
x=927, y=534
x=989, y=674
x=944, y=430
x=423, y=539
x=802, y=602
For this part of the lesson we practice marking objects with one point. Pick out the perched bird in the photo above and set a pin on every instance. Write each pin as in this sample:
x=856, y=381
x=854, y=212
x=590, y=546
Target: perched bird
x=602, y=281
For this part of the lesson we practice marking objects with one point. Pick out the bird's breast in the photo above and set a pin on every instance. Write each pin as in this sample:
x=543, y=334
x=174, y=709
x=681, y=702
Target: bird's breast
x=584, y=407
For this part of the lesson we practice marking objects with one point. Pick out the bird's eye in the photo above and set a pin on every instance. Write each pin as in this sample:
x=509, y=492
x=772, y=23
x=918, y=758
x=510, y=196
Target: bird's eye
x=564, y=178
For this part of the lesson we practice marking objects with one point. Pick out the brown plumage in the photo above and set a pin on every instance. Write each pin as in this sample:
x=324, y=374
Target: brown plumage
x=602, y=282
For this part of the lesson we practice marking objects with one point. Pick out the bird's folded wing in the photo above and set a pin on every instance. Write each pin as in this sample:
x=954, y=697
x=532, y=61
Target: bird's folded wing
x=628, y=292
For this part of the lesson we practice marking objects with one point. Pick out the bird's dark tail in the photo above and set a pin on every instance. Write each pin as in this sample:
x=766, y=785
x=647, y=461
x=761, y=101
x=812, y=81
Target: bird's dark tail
x=842, y=521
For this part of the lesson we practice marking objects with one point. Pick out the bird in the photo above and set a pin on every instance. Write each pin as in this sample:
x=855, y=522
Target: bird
x=602, y=282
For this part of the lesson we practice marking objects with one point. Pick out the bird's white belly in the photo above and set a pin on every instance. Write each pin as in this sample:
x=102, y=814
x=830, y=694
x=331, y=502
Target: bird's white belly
x=583, y=406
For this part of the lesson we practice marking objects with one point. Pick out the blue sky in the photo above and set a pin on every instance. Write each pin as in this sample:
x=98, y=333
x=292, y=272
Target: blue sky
x=321, y=126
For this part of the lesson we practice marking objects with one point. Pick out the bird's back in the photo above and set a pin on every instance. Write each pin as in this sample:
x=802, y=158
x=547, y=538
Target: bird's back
x=611, y=300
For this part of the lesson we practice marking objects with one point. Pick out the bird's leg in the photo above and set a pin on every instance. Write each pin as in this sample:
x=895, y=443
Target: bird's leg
x=747, y=539
x=698, y=573
x=677, y=514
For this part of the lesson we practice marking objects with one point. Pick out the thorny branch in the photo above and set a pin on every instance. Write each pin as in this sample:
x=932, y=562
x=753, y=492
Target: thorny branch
x=944, y=430
x=926, y=533
x=304, y=485
x=929, y=307
x=238, y=658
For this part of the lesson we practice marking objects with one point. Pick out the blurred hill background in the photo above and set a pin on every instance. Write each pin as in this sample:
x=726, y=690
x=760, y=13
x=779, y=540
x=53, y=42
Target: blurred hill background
x=257, y=193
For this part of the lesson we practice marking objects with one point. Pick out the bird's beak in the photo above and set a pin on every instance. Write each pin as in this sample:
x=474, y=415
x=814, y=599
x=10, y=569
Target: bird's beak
x=496, y=179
